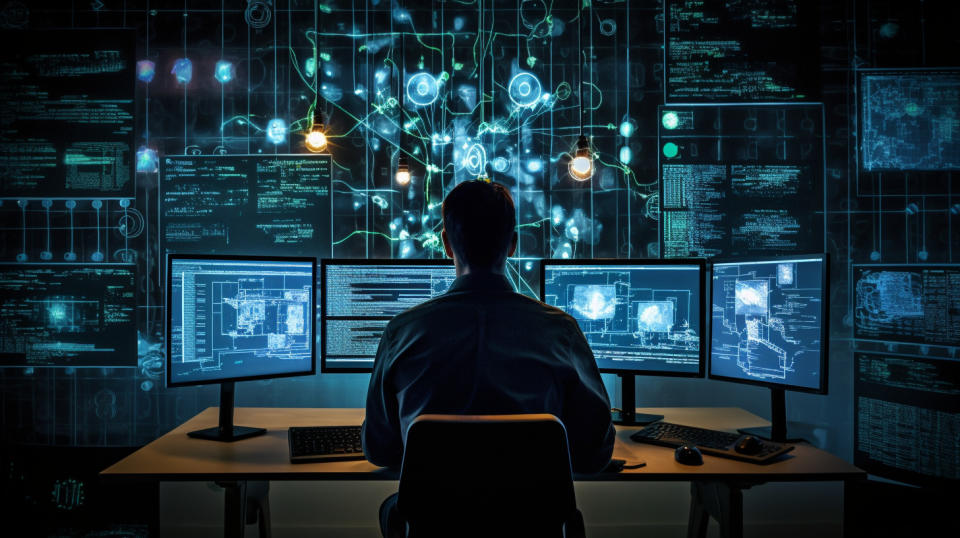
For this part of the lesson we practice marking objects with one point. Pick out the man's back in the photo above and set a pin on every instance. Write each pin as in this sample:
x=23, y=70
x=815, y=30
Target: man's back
x=483, y=349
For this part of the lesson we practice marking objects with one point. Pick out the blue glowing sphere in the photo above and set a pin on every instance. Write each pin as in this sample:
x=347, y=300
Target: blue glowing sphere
x=147, y=161
x=670, y=120
x=626, y=155
x=524, y=89
x=146, y=70
x=627, y=128
x=534, y=165
x=183, y=70
x=223, y=72
x=422, y=89
x=276, y=131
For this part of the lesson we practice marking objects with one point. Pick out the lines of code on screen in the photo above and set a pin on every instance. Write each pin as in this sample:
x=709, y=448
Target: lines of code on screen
x=231, y=319
x=907, y=303
x=635, y=318
x=66, y=109
x=907, y=417
x=359, y=301
x=740, y=50
x=270, y=204
x=910, y=120
x=767, y=321
x=68, y=315
x=741, y=180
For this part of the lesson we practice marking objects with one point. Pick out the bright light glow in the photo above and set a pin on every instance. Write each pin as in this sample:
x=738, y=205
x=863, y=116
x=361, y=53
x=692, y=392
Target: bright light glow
x=403, y=177
x=183, y=70
x=145, y=70
x=670, y=120
x=670, y=150
x=223, y=72
x=276, y=131
x=581, y=168
x=627, y=128
x=147, y=161
x=626, y=155
x=316, y=140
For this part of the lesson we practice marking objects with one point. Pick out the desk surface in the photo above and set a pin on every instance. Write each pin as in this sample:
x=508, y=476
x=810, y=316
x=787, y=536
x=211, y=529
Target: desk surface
x=175, y=456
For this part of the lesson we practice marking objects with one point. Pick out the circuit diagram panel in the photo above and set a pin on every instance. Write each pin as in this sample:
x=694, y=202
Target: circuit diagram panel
x=907, y=303
x=741, y=180
x=240, y=319
x=635, y=318
x=911, y=119
x=767, y=321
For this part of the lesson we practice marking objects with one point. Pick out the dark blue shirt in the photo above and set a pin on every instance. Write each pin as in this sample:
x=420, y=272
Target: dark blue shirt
x=482, y=348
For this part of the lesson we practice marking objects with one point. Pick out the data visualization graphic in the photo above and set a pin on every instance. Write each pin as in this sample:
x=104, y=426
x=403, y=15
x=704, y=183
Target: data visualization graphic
x=910, y=119
x=907, y=303
x=68, y=315
x=907, y=417
x=268, y=204
x=767, y=322
x=359, y=299
x=640, y=318
x=67, y=113
x=741, y=50
x=741, y=180
x=240, y=319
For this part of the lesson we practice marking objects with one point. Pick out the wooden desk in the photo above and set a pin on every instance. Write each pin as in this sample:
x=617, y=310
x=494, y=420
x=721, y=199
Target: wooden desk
x=719, y=481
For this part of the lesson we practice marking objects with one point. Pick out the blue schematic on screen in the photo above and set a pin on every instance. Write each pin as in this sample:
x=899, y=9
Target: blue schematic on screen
x=767, y=321
x=635, y=317
x=240, y=319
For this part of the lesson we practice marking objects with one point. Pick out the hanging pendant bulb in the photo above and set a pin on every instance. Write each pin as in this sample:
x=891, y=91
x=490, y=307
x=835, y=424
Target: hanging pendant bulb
x=403, y=171
x=581, y=166
x=317, y=138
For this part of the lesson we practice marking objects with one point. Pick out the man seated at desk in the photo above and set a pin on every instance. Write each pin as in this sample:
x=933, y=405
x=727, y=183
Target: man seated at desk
x=482, y=348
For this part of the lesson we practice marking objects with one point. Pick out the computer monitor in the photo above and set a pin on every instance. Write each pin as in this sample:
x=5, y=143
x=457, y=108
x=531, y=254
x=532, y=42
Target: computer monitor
x=768, y=327
x=238, y=318
x=640, y=317
x=360, y=296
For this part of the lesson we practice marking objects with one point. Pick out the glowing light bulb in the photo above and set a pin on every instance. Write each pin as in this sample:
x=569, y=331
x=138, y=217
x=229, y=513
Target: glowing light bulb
x=581, y=166
x=316, y=139
x=403, y=171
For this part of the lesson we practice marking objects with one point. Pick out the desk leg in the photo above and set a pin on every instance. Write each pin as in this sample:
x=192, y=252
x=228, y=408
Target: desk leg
x=720, y=500
x=245, y=503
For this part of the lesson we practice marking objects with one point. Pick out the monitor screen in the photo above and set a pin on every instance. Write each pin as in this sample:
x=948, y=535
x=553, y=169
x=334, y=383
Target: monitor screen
x=361, y=296
x=767, y=322
x=232, y=318
x=639, y=316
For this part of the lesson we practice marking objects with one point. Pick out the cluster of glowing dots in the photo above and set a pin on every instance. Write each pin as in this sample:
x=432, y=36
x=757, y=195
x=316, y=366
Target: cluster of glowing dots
x=182, y=70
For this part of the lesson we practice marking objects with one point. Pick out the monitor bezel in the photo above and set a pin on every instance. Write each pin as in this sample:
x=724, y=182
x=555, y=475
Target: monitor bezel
x=700, y=263
x=242, y=258
x=324, y=263
x=824, y=326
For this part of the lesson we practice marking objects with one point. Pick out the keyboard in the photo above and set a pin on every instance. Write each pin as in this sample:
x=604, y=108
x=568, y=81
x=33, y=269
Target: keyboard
x=713, y=442
x=324, y=443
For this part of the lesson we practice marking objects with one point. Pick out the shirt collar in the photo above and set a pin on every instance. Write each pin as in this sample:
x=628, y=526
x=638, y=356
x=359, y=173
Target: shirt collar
x=481, y=282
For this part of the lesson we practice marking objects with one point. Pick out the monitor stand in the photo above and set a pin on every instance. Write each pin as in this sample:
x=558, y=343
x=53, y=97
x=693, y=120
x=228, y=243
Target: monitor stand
x=777, y=431
x=226, y=431
x=628, y=416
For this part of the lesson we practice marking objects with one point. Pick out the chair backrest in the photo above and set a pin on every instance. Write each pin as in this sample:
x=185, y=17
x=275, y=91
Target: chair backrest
x=470, y=474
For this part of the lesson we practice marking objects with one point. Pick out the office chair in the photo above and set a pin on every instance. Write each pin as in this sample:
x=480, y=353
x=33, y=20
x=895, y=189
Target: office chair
x=488, y=475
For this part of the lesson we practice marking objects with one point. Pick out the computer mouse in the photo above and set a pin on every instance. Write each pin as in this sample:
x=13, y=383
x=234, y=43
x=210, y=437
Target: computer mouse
x=748, y=445
x=688, y=455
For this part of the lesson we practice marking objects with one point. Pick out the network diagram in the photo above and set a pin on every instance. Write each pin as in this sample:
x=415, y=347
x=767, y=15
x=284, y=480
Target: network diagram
x=766, y=322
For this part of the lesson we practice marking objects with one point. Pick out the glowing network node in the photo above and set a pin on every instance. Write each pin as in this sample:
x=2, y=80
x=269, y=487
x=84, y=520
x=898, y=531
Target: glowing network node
x=223, y=72
x=608, y=27
x=500, y=164
x=183, y=70
x=458, y=23
x=146, y=70
x=147, y=161
x=524, y=89
x=581, y=166
x=422, y=89
x=626, y=155
x=670, y=150
x=316, y=140
x=310, y=67
x=627, y=128
x=534, y=165
x=475, y=160
x=276, y=131
x=670, y=120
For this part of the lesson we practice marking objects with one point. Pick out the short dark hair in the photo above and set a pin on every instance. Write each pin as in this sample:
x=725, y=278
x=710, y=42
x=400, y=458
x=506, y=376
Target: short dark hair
x=479, y=218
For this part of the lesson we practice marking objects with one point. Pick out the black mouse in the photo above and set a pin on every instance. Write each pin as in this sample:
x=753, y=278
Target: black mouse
x=748, y=445
x=688, y=455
